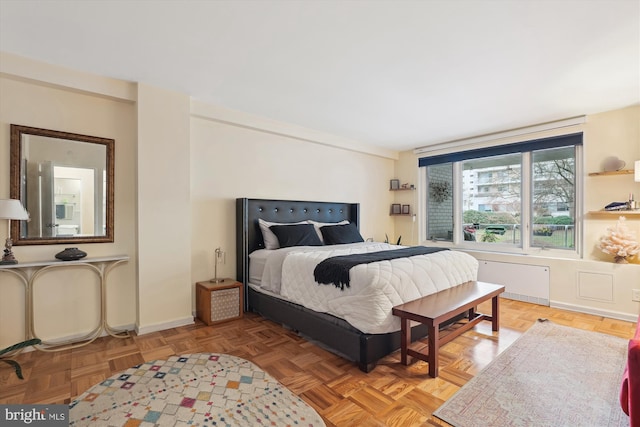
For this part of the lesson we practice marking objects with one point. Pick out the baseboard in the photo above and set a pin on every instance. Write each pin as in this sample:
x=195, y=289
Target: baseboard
x=595, y=311
x=165, y=325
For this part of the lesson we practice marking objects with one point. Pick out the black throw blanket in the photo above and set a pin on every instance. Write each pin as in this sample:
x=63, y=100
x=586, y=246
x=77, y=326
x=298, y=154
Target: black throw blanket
x=335, y=270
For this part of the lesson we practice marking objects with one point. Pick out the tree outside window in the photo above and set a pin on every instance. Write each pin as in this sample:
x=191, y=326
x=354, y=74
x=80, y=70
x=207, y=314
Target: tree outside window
x=491, y=201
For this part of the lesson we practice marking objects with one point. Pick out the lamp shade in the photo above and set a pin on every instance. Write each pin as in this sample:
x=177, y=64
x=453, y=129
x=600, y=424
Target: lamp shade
x=12, y=209
x=637, y=169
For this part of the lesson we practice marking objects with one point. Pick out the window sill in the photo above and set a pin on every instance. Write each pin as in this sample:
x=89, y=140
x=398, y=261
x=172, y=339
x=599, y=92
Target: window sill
x=567, y=254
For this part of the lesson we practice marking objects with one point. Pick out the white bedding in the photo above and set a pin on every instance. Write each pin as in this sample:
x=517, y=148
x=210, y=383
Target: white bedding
x=374, y=288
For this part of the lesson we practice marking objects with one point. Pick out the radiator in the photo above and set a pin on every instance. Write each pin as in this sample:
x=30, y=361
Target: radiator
x=522, y=282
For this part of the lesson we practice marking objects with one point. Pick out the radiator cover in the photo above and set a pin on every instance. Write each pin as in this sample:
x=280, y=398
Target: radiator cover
x=522, y=282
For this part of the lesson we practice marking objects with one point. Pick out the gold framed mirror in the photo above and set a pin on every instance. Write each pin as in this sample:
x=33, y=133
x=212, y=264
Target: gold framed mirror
x=66, y=183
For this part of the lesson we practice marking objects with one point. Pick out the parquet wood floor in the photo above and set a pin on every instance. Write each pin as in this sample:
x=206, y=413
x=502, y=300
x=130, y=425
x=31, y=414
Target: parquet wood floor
x=390, y=395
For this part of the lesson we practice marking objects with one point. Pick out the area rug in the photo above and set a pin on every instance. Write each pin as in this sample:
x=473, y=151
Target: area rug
x=551, y=376
x=201, y=389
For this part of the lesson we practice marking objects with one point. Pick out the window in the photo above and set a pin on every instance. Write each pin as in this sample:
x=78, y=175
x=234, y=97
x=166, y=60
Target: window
x=553, y=198
x=526, y=195
x=495, y=213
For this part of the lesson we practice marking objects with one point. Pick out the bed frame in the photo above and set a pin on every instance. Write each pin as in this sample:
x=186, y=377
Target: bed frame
x=333, y=333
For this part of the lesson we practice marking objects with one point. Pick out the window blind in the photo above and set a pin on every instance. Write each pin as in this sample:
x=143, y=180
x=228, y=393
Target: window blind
x=518, y=147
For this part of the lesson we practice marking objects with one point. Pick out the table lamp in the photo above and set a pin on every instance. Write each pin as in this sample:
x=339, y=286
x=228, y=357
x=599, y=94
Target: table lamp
x=218, y=256
x=11, y=209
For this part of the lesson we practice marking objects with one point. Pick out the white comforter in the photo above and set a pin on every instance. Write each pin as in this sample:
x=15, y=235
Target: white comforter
x=374, y=288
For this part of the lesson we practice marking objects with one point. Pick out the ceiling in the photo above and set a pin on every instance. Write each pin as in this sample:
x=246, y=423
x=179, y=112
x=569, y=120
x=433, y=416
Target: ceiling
x=395, y=74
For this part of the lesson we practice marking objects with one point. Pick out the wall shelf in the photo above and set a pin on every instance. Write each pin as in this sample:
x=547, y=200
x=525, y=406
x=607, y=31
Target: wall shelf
x=620, y=172
x=400, y=209
x=626, y=213
x=616, y=213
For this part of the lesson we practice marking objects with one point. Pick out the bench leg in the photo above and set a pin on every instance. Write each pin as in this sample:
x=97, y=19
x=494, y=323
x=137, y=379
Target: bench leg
x=405, y=340
x=432, y=356
x=495, y=313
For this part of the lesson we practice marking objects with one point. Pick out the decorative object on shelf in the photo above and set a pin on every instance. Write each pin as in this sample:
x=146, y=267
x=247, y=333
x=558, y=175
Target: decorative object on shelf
x=395, y=209
x=219, y=256
x=406, y=186
x=612, y=164
x=11, y=209
x=620, y=242
x=617, y=206
x=394, y=184
x=440, y=190
x=71, y=254
x=636, y=177
x=406, y=209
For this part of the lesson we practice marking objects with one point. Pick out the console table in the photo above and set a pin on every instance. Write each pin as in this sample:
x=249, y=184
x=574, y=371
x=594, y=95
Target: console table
x=28, y=272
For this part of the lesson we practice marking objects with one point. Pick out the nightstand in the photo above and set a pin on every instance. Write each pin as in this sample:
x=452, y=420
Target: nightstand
x=219, y=302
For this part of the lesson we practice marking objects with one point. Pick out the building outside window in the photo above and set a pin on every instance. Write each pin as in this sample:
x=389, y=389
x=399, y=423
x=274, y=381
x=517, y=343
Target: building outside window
x=524, y=195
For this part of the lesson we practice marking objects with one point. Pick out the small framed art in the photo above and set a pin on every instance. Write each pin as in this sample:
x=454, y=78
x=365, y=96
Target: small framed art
x=406, y=209
x=394, y=184
x=395, y=209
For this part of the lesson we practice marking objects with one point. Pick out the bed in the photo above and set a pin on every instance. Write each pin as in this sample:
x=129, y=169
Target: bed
x=330, y=331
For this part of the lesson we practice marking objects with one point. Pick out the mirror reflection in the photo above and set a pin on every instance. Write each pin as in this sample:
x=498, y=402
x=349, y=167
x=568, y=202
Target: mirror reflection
x=65, y=181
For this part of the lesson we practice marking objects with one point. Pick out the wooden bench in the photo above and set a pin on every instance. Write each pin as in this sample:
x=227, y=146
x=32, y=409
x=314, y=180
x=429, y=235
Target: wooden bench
x=437, y=308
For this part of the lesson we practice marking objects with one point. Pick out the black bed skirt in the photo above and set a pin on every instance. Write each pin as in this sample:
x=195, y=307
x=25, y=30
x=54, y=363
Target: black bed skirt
x=336, y=334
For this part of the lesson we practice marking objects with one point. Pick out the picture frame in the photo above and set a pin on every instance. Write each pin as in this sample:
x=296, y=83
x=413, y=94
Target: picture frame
x=406, y=209
x=394, y=184
x=396, y=209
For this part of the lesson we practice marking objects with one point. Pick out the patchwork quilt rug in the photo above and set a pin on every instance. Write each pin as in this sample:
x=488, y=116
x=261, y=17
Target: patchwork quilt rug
x=201, y=389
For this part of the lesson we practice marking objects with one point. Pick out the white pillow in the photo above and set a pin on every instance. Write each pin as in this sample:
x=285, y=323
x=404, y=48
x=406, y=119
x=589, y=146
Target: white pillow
x=317, y=226
x=270, y=239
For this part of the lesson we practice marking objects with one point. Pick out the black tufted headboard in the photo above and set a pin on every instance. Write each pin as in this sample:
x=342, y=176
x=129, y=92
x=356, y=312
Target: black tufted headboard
x=248, y=211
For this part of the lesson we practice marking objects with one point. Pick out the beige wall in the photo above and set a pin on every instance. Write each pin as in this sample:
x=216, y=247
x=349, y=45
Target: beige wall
x=180, y=165
x=66, y=300
x=164, y=210
x=607, y=287
x=234, y=160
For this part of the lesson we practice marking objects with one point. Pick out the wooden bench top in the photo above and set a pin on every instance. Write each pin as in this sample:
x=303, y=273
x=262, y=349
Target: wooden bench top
x=439, y=306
